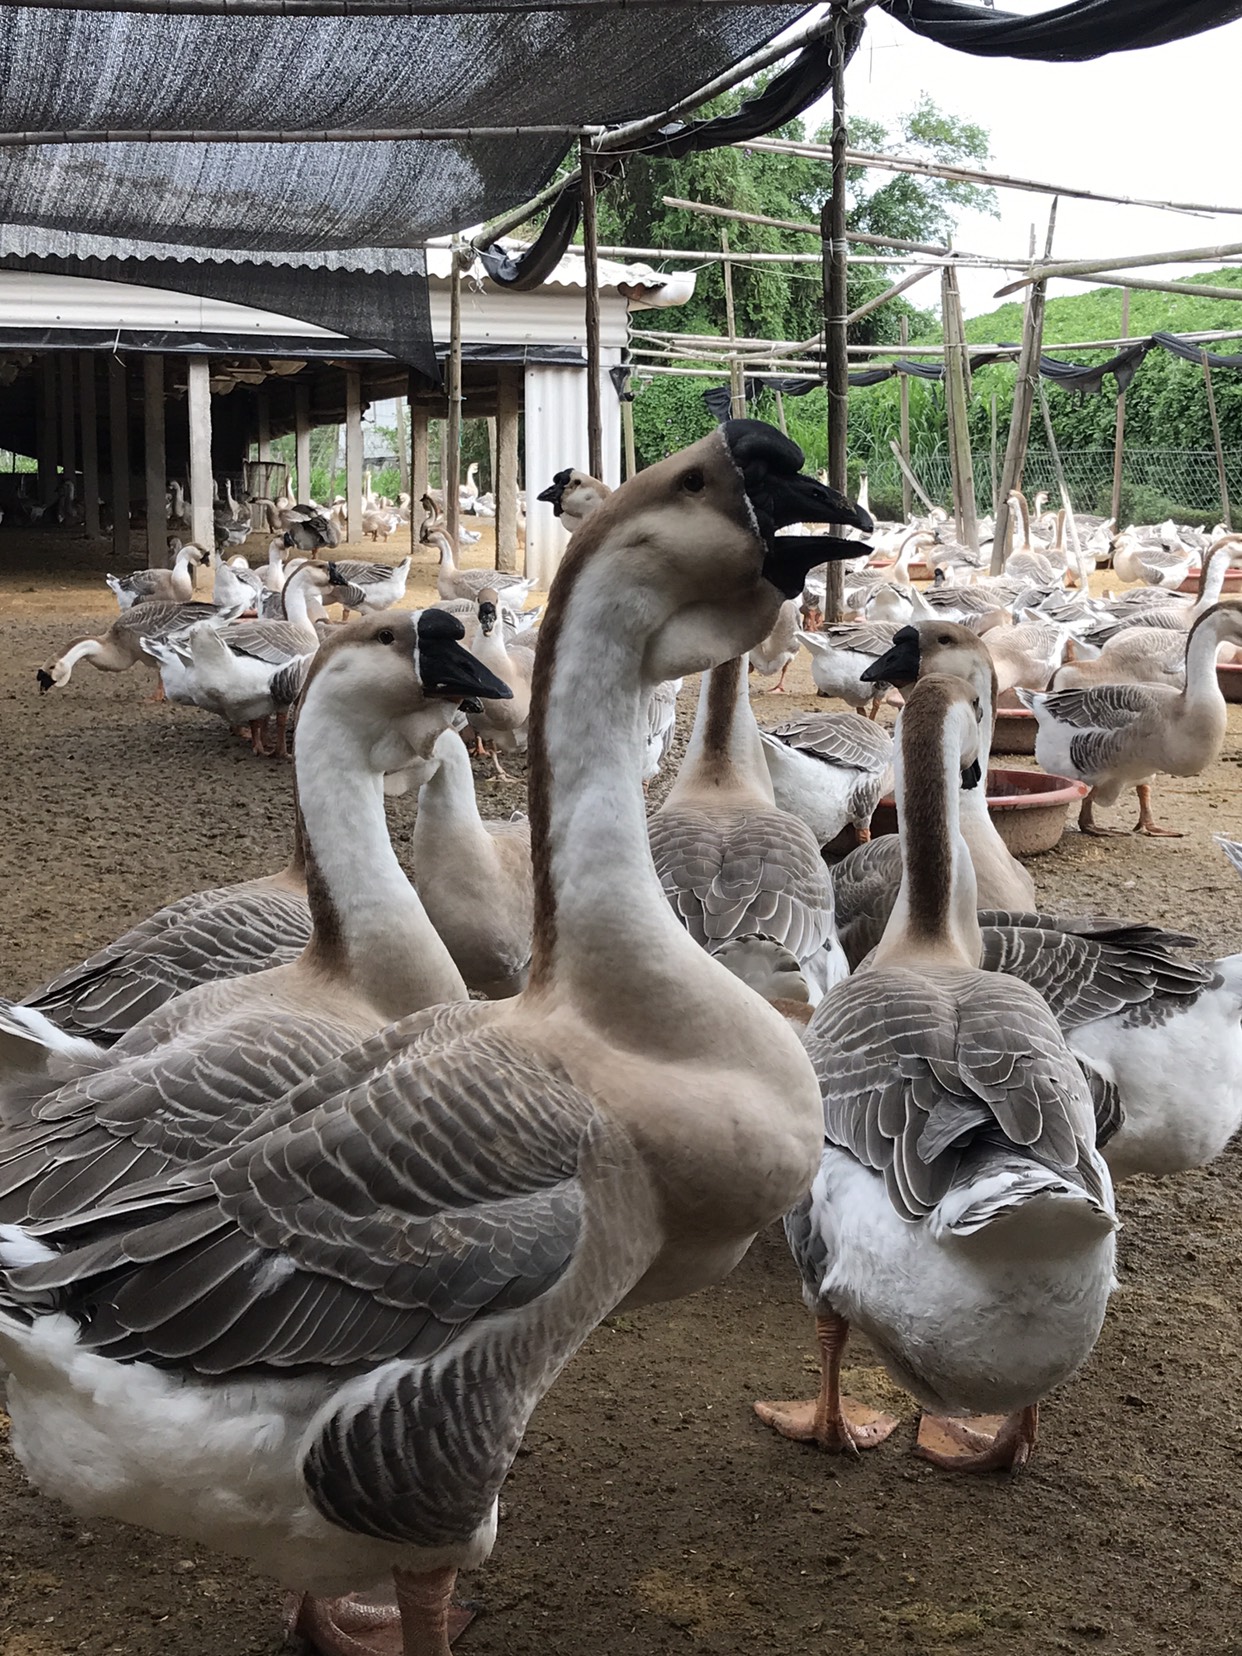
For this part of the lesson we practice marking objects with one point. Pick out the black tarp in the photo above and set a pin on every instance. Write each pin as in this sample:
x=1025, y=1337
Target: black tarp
x=1071, y=33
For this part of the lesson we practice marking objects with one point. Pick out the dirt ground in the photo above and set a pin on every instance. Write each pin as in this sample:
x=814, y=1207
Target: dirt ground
x=649, y=1511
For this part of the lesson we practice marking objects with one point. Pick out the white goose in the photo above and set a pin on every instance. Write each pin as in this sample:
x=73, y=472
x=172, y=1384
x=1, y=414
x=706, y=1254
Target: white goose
x=320, y=1350
x=453, y=582
x=161, y=586
x=731, y=863
x=365, y=587
x=840, y=655
x=961, y=1217
x=830, y=770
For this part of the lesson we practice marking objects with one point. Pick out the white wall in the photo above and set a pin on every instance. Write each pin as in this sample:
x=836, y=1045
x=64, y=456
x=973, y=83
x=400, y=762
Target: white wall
x=556, y=437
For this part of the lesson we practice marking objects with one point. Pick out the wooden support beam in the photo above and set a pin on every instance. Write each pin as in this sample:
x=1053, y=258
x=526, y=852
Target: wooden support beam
x=353, y=454
x=508, y=406
x=907, y=471
x=87, y=402
x=1119, y=431
x=451, y=476
x=301, y=442
x=1220, y=452
x=118, y=435
x=198, y=401
x=834, y=249
x=737, y=382
x=903, y=391
x=491, y=453
x=590, y=252
x=45, y=427
x=68, y=435
x=403, y=453
x=263, y=423
x=1023, y=405
x=957, y=403
x=420, y=478
x=156, y=461
x=627, y=435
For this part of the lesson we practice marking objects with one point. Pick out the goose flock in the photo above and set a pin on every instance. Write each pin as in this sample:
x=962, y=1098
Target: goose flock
x=311, y=1186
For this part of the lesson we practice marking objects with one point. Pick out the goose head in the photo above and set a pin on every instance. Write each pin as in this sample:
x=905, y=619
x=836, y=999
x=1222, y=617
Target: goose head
x=949, y=705
x=489, y=611
x=574, y=495
x=397, y=681
x=694, y=539
x=936, y=647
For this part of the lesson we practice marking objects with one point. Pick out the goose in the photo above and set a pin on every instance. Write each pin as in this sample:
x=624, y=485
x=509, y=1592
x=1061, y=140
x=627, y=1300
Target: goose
x=866, y=881
x=474, y=877
x=962, y=1216
x=452, y=582
x=573, y=496
x=841, y=654
x=175, y=665
x=245, y=691
x=503, y=724
x=379, y=523
x=1162, y=1034
x=366, y=587
x=379, y=696
x=962, y=604
x=380, y=1282
x=468, y=492
x=1025, y=563
x=1117, y=735
x=830, y=770
x=160, y=586
x=178, y=506
x=1027, y=654
x=233, y=585
x=778, y=649
x=661, y=727
x=518, y=624
x=224, y=932
x=731, y=862
x=306, y=528
x=118, y=649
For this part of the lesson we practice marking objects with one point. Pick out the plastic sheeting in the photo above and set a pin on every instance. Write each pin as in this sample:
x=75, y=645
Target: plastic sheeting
x=1075, y=32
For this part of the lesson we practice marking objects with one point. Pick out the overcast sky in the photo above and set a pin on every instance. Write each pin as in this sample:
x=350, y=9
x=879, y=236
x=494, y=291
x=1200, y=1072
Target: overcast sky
x=1161, y=123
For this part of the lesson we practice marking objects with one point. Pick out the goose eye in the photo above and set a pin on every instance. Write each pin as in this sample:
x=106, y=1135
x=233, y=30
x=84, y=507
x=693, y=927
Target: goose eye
x=945, y=639
x=692, y=482
x=386, y=635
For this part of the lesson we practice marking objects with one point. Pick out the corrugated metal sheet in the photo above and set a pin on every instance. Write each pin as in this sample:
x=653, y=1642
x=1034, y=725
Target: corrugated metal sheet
x=30, y=300
x=556, y=436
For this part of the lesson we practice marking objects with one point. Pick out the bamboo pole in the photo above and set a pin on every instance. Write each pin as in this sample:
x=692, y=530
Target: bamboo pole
x=803, y=227
x=198, y=409
x=353, y=454
x=1092, y=267
x=508, y=406
x=451, y=479
x=835, y=278
x=590, y=250
x=1054, y=453
x=907, y=471
x=969, y=175
x=118, y=440
x=1220, y=452
x=737, y=385
x=995, y=476
x=1200, y=290
x=68, y=432
x=1120, y=429
x=780, y=413
x=155, y=463
x=627, y=433
x=403, y=456
x=903, y=387
x=1206, y=336
x=1023, y=406
x=956, y=370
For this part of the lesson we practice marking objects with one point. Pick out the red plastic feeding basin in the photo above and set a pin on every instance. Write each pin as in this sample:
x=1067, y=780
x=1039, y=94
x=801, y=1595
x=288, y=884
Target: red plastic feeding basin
x=1229, y=677
x=1028, y=807
x=1232, y=586
x=1015, y=731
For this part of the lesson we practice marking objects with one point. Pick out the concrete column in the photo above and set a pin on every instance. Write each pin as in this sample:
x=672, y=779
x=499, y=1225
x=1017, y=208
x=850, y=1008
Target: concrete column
x=199, y=399
x=45, y=427
x=156, y=463
x=419, y=460
x=508, y=403
x=302, y=431
x=264, y=420
x=68, y=433
x=118, y=436
x=353, y=453
x=403, y=453
x=90, y=444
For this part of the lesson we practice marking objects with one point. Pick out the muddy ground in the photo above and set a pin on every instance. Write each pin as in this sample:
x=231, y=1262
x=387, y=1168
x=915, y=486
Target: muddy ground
x=649, y=1511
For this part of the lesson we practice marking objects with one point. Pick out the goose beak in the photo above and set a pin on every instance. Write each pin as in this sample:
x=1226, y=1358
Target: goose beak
x=445, y=669
x=552, y=494
x=972, y=775
x=780, y=495
x=46, y=681
x=899, y=664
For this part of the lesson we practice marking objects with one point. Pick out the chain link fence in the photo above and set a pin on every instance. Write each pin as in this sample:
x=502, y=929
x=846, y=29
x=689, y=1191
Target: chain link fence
x=1156, y=483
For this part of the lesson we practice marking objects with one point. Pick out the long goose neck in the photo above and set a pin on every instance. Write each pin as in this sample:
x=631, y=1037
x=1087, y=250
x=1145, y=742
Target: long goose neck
x=1202, y=687
x=293, y=602
x=1025, y=514
x=725, y=754
x=605, y=936
x=1212, y=579
x=934, y=919
x=447, y=805
x=447, y=560
x=370, y=932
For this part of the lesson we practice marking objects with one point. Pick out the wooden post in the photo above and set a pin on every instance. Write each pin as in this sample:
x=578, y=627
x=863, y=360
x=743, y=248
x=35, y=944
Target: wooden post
x=336, y=460
x=1055, y=454
x=419, y=478
x=156, y=464
x=301, y=442
x=68, y=444
x=403, y=453
x=907, y=471
x=451, y=477
x=508, y=402
x=90, y=444
x=737, y=382
x=780, y=413
x=903, y=384
x=491, y=454
x=263, y=423
x=590, y=260
x=1220, y=453
x=834, y=250
x=1023, y=405
x=627, y=433
x=995, y=469
x=45, y=427
x=198, y=399
x=353, y=454
x=441, y=452
x=118, y=434
x=1120, y=430
x=956, y=401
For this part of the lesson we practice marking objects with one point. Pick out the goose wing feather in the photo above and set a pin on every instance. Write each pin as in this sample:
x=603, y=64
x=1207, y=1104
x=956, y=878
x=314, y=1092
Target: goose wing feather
x=275, y=642
x=915, y=1068
x=222, y=933
x=845, y=739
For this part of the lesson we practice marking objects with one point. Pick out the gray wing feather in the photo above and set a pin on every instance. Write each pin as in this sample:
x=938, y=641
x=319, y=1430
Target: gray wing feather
x=845, y=739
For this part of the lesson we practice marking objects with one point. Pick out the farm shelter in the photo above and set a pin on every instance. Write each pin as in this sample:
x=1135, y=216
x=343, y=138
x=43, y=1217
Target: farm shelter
x=262, y=374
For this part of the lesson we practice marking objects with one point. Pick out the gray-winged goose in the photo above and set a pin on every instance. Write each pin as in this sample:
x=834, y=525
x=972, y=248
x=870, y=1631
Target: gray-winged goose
x=961, y=1215
x=320, y=1350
